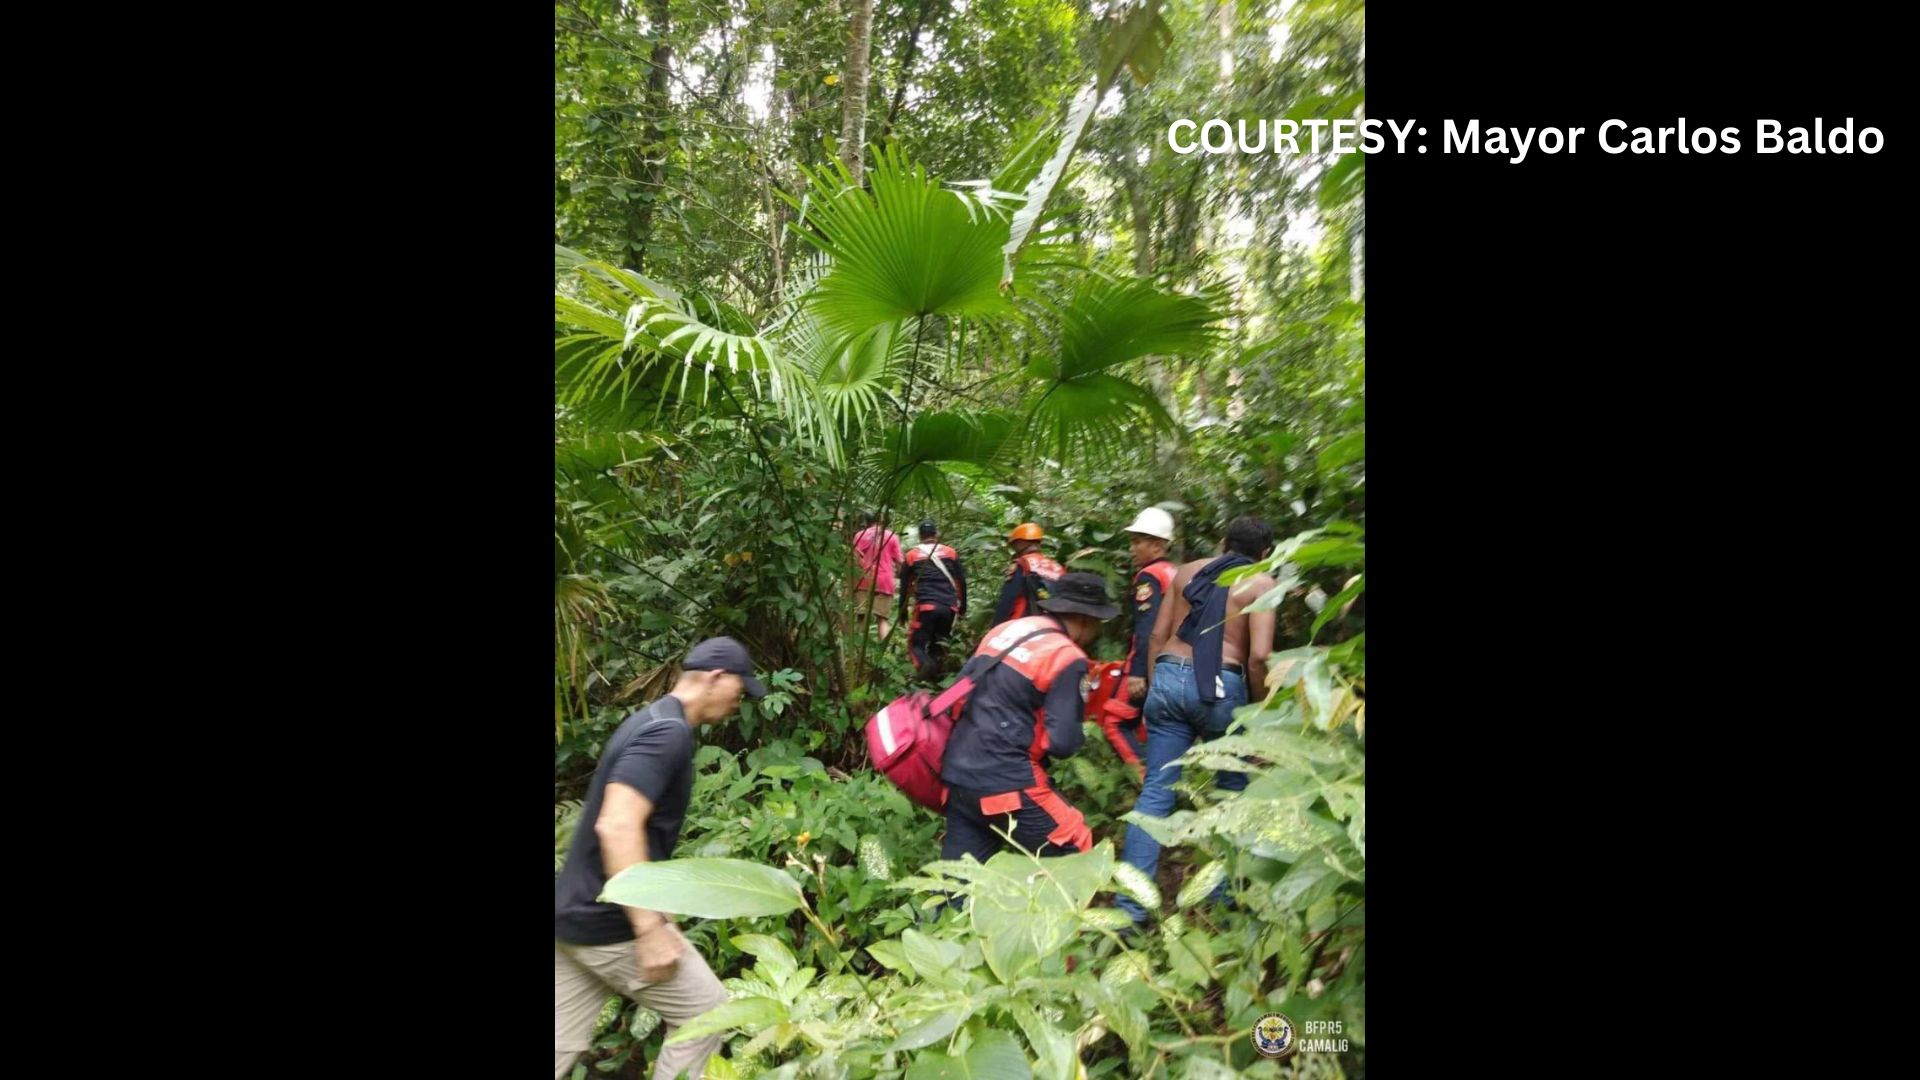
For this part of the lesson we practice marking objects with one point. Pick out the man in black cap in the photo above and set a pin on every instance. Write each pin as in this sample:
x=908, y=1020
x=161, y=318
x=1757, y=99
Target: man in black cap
x=1023, y=709
x=633, y=813
x=934, y=585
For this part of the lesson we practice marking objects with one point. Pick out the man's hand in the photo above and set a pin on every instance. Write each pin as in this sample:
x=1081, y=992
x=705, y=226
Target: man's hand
x=659, y=951
x=1136, y=689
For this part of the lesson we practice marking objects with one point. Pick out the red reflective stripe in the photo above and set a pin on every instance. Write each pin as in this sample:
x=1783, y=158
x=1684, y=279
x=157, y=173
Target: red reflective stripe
x=1110, y=723
x=1070, y=824
x=1001, y=804
x=1162, y=572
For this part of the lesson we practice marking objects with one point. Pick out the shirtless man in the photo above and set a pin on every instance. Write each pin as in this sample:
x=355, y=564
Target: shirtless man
x=1200, y=673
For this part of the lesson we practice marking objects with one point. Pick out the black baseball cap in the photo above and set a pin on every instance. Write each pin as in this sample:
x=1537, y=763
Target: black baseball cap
x=928, y=528
x=725, y=654
x=1081, y=593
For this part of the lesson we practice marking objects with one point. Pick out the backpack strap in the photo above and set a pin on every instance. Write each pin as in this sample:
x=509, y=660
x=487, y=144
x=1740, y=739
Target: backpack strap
x=965, y=684
x=933, y=552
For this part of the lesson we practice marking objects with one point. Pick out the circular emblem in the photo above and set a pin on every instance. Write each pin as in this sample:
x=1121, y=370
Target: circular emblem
x=1273, y=1036
x=1144, y=592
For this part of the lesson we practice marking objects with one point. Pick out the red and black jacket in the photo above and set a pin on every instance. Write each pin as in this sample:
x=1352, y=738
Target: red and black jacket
x=1026, y=709
x=1150, y=585
x=1030, y=579
x=927, y=584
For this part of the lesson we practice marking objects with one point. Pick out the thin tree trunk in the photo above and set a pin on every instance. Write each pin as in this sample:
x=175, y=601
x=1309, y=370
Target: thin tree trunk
x=1137, y=200
x=1357, y=252
x=853, y=90
x=909, y=50
x=653, y=151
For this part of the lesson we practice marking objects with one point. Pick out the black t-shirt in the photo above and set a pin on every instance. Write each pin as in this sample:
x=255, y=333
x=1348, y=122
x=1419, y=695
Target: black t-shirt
x=652, y=752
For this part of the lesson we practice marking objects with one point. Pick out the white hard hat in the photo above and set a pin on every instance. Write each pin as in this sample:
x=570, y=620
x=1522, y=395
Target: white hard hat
x=1153, y=521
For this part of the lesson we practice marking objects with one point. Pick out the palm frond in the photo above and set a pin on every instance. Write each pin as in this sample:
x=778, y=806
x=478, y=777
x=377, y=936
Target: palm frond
x=905, y=249
x=1083, y=409
x=905, y=467
x=627, y=344
x=854, y=380
x=1110, y=320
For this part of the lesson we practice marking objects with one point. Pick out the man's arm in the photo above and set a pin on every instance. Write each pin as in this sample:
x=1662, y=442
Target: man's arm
x=1162, y=630
x=1010, y=592
x=1260, y=626
x=960, y=580
x=1146, y=619
x=1064, y=709
x=622, y=828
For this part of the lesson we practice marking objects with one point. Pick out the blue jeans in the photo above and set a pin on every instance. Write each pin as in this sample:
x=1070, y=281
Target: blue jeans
x=1176, y=719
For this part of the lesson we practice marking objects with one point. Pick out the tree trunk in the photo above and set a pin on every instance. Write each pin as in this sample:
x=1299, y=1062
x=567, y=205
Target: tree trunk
x=909, y=49
x=1357, y=252
x=1142, y=207
x=853, y=90
x=653, y=151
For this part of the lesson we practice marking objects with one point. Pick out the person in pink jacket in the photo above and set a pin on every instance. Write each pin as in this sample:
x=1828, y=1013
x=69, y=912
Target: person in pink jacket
x=876, y=549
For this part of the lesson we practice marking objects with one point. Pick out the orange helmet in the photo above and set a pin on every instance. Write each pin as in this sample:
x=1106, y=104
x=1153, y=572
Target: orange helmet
x=1027, y=531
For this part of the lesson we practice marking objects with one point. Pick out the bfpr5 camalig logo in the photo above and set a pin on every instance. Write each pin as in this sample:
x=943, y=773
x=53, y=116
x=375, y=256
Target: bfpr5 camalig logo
x=1275, y=1036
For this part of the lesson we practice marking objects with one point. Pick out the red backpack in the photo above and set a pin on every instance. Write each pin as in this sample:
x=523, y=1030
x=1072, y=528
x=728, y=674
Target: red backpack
x=907, y=740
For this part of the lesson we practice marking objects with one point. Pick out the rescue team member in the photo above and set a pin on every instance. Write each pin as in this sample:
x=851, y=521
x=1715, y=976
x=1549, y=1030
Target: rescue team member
x=878, y=551
x=1201, y=672
x=1149, y=537
x=1024, y=710
x=934, y=585
x=633, y=812
x=1029, y=577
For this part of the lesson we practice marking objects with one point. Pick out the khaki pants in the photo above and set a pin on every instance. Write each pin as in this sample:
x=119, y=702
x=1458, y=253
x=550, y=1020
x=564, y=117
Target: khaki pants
x=583, y=977
x=878, y=606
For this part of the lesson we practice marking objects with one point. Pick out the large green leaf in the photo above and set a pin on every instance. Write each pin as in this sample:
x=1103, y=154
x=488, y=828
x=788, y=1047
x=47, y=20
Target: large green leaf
x=907, y=248
x=707, y=888
x=1082, y=407
x=930, y=956
x=1199, y=1067
x=920, y=459
x=1053, y=1047
x=854, y=379
x=1350, y=447
x=747, y=1014
x=1136, y=884
x=1304, y=883
x=1331, y=610
x=929, y=1031
x=775, y=958
x=891, y=953
x=1109, y=320
x=994, y=1055
x=627, y=346
x=1346, y=179
x=1019, y=915
x=1201, y=883
x=1078, y=878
